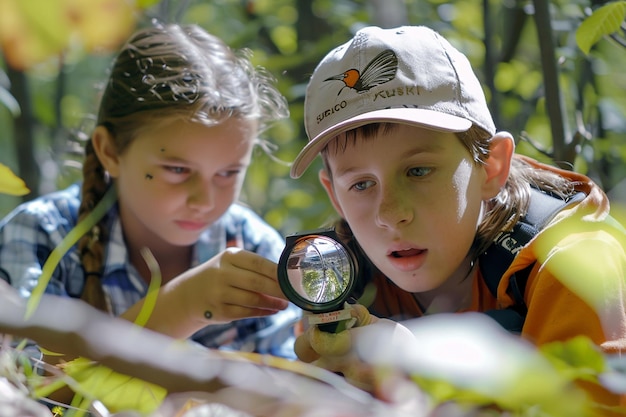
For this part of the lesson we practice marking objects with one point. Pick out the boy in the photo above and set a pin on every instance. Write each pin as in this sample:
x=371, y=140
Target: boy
x=427, y=188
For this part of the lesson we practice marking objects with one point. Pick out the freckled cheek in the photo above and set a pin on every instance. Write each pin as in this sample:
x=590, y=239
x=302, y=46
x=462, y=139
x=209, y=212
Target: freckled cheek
x=354, y=209
x=361, y=218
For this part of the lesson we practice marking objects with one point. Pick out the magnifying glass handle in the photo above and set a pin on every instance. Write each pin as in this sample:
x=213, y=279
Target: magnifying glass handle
x=328, y=327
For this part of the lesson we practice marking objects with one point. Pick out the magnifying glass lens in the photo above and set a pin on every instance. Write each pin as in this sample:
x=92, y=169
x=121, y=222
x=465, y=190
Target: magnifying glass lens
x=319, y=272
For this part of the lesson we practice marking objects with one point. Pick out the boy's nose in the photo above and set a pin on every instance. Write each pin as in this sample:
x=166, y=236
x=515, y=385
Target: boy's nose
x=394, y=208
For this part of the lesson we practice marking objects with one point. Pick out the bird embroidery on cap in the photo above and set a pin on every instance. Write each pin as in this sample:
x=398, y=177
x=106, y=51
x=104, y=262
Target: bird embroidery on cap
x=380, y=70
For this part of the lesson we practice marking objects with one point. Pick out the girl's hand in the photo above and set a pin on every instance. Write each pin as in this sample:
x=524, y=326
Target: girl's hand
x=233, y=285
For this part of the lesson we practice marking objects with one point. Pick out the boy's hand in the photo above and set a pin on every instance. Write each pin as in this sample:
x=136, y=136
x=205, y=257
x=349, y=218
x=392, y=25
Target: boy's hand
x=360, y=353
x=336, y=351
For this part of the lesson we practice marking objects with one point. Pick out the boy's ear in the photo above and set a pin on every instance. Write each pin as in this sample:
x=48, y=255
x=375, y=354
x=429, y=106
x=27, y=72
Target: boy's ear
x=328, y=186
x=104, y=146
x=498, y=164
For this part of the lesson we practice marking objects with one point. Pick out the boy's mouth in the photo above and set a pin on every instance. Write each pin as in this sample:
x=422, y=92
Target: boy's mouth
x=405, y=253
x=407, y=260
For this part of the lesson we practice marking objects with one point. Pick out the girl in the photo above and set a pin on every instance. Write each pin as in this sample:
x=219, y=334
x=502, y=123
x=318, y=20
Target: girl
x=177, y=124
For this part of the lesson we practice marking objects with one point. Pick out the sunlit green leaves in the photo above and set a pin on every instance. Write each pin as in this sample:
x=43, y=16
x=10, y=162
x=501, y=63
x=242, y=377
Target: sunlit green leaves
x=470, y=360
x=604, y=21
x=517, y=77
x=285, y=38
x=564, y=250
x=578, y=358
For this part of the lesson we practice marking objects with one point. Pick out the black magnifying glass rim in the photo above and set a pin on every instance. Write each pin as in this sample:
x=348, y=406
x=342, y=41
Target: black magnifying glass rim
x=292, y=294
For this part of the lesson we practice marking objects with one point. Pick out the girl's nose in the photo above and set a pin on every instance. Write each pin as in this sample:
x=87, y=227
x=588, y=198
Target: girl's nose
x=394, y=208
x=201, y=194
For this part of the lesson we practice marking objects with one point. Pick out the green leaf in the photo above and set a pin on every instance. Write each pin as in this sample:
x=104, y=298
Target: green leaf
x=9, y=102
x=578, y=358
x=66, y=244
x=467, y=358
x=153, y=288
x=604, y=21
x=442, y=391
x=145, y=4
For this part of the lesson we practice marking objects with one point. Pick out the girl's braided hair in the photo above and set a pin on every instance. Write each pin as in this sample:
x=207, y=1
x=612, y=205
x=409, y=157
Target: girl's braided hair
x=165, y=73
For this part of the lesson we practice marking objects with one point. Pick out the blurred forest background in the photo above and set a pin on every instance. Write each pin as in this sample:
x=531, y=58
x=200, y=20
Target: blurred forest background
x=563, y=105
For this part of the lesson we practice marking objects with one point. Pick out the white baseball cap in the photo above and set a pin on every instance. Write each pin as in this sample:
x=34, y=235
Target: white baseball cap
x=409, y=75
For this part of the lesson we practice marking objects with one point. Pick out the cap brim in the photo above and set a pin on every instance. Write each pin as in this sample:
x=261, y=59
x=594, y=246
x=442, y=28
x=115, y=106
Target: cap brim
x=428, y=119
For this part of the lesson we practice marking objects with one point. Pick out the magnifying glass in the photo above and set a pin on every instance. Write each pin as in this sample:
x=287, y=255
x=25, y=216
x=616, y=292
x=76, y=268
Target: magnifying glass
x=317, y=272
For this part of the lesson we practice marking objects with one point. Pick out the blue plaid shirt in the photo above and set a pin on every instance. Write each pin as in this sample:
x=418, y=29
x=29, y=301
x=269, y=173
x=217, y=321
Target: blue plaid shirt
x=31, y=231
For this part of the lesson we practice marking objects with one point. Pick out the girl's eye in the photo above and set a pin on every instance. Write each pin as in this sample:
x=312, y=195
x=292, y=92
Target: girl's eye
x=419, y=171
x=228, y=174
x=177, y=170
x=362, y=185
x=227, y=178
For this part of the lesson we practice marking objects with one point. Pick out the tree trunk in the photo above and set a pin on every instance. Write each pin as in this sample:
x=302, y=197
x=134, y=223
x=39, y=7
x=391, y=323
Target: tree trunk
x=28, y=169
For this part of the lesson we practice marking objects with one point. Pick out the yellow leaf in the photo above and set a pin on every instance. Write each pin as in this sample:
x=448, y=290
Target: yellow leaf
x=36, y=30
x=101, y=25
x=118, y=392
x=10, y=183
x=31, y=31
x=49, y=352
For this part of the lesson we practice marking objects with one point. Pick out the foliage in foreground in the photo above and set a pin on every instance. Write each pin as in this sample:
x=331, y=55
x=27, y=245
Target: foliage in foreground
x=463, y=366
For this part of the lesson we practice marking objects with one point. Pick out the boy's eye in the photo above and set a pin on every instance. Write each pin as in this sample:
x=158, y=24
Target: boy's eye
x=362, y=185
x=419, y=171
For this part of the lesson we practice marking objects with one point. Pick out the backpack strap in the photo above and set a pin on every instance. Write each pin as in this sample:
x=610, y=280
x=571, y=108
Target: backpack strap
x=500, y=254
